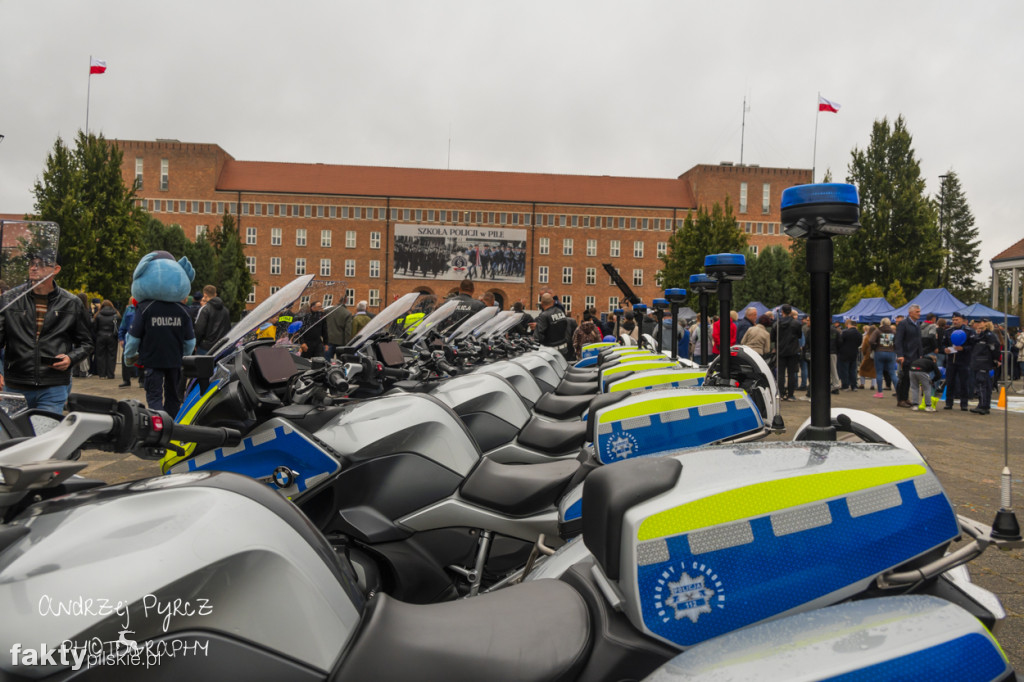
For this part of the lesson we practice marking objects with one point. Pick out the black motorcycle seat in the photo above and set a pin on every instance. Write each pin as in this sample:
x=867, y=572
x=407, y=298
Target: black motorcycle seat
x=576, y=388
x=581, y=375
x=553, y=437
x=562, y=406
x=518, y=489
x=535, y=632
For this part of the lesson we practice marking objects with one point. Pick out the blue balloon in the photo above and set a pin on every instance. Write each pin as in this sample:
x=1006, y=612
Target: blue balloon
x=295, y=326
x=609, y=339
x=958, y=337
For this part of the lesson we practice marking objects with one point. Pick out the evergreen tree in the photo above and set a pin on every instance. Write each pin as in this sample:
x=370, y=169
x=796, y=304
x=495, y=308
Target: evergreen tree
x=701, y=235
x=203, y=256
x=898, y=239
x=961, y=245
x=895, y=295
x=232, y=275
x=83, y=191
x=767, y=278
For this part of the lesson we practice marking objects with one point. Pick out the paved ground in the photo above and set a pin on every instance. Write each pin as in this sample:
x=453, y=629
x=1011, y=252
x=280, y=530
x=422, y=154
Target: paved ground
x=964, y=449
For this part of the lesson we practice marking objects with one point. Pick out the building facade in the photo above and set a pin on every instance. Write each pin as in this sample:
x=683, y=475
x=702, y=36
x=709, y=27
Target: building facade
x=375, y=233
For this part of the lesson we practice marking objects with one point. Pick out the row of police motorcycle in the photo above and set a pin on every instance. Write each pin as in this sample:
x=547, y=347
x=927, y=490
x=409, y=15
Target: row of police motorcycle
x=451, y=502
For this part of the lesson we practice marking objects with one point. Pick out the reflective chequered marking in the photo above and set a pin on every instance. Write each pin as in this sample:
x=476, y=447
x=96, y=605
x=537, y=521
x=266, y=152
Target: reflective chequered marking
x=674, y=416
x=720, y=537
x=636, y=423
x=927, y=486
x=871, y=501
x=804, y=518
x=652, y=552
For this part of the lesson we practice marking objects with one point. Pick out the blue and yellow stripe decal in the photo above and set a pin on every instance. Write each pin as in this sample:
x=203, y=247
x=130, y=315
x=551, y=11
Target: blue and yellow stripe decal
x=188, y=412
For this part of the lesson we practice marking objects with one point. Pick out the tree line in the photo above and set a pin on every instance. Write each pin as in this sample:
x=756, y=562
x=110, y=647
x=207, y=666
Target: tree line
x=908, y=241
x=104, y=232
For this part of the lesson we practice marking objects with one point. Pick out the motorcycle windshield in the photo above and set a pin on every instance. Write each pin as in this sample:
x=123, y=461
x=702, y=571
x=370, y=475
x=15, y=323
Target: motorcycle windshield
x=439, y=319
x=384, y=319
x=474, y=322
x=279, y=301
x=506, y=324
x=490, y=326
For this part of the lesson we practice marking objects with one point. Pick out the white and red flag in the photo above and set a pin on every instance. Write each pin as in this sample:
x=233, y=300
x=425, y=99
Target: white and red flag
x=825, y=105
x=97, y=65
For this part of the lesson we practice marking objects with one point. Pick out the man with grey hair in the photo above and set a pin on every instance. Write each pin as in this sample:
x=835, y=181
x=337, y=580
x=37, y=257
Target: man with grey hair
x=908, y=349
x=359, y=320
x=552, y=326
x=748, y=321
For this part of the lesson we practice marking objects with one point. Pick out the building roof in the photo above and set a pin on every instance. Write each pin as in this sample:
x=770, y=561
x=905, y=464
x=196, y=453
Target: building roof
x=1015, y=252
x=421, y=183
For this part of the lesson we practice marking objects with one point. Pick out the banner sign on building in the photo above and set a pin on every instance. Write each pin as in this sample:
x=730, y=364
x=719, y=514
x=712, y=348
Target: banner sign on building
x=450, y=252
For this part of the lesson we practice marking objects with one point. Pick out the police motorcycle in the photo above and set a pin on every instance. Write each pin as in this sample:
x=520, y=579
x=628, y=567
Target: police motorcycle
x=154, y=579
x=711, y=540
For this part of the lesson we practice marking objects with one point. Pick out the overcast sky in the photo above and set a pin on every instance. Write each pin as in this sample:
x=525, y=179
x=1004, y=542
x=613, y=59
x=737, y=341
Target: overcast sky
x=605, y=88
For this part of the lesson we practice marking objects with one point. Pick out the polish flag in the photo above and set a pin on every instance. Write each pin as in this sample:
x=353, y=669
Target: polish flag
x=97, y=65
x=825, y=105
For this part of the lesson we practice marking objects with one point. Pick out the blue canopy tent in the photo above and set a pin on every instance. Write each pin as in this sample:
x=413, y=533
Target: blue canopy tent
x=867, y=310
x=980, y=311
x=938, y=301
x=757, y=305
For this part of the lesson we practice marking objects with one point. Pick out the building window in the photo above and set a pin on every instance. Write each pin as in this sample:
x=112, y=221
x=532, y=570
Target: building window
x=613, y=303
x=304, y=300
x=251, y=298
x=542, y=274
x=319, y=211
x=662, y=249
x=350, y=268
x=274, y=290
x=743, y=197
x=766, y=198
x=201, y=230
x=350, y=297
x=567, y=302
x=275, y=236
x=325, y=238
x=350, y=239
x=406, y=214
x=300, y=266
x=638, y=249
x=591, y=275
x=209, y=206
x=164, y=175
x=591, y=247
x=566, y=247
x=374, y=269
x=245, y=209
x=138, y=172
x=643, y=224
x=638, y=277
x=300, y=237
x=375, y=240
x=250, y=262
x=333, y=213
x=544, y=248
x=275, y=265
x=374, y=298
x=614, y=248
x=430, y=216
x=589, y=302
x=567, y=275
x=328, y=300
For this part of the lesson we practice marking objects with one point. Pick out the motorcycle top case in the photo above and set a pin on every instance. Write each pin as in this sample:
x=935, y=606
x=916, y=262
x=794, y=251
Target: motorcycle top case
x=592, y=349
x=673, y=377
x=719, y=538
x=657, y=422
x=878, y=640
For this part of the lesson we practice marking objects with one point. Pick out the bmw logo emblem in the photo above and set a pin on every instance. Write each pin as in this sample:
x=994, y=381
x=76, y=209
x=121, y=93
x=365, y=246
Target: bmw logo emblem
x=284, y=477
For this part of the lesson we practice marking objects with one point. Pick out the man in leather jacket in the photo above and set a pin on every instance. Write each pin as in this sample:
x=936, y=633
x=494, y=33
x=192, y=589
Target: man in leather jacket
x=552, y=326
x=43, y=333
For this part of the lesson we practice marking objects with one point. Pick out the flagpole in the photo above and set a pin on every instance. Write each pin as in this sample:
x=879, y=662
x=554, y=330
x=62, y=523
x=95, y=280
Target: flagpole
x=814, y=159
x=88, y=93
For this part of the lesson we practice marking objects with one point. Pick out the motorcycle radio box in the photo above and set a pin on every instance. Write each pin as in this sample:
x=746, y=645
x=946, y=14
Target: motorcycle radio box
x=719, y=538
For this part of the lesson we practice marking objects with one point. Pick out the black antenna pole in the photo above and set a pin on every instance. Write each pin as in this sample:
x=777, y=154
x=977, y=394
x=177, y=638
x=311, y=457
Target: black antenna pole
x=819, y=266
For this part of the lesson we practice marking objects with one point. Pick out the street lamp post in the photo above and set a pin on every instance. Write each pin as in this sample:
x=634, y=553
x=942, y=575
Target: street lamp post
x=942, y=228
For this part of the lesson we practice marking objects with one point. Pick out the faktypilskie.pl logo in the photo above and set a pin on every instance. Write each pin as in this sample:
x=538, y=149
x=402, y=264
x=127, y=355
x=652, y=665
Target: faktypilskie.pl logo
x=151, y=615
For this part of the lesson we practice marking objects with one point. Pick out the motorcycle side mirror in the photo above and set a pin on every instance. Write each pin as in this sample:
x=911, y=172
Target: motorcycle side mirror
x=198, y=366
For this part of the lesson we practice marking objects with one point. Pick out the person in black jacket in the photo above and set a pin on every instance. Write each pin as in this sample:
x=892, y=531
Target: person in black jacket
x=788, y=332
x=213, y=321
x=908, y=349
x=849, y=346
x=551, y=326
x=984, y=348
x=104, y=331
x=43, y=333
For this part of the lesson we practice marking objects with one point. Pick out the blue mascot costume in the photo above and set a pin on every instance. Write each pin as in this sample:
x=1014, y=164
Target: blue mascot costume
x=161, y=332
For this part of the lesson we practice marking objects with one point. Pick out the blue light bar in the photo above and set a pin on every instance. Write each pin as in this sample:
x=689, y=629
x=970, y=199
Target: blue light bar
x=618, y=311
x=723, y=259
x=702, y=279
x=660, y=301
x=675, y=292
x=639, y=306
x=821, y=193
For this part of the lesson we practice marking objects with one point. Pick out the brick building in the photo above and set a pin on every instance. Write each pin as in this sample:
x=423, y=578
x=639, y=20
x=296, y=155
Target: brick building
x=348, y=222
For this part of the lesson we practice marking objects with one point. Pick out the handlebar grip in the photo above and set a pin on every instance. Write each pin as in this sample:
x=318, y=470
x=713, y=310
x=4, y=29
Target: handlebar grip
x=206, y=436
x=399, y=373
x=447, y=368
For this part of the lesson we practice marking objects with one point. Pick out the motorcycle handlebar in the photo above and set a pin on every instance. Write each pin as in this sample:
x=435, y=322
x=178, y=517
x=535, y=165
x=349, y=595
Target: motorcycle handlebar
x=206, y=436
x=396, y=373
x=447, y=368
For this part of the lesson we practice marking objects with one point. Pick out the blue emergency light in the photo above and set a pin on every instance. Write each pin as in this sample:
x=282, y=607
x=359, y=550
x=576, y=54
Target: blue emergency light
x=820, y=210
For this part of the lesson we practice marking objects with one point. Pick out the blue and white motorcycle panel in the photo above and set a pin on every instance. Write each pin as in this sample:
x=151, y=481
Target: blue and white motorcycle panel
x=275, y=454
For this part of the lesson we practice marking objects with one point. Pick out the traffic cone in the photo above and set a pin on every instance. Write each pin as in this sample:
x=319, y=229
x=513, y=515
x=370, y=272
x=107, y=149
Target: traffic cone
x=1002, y=398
